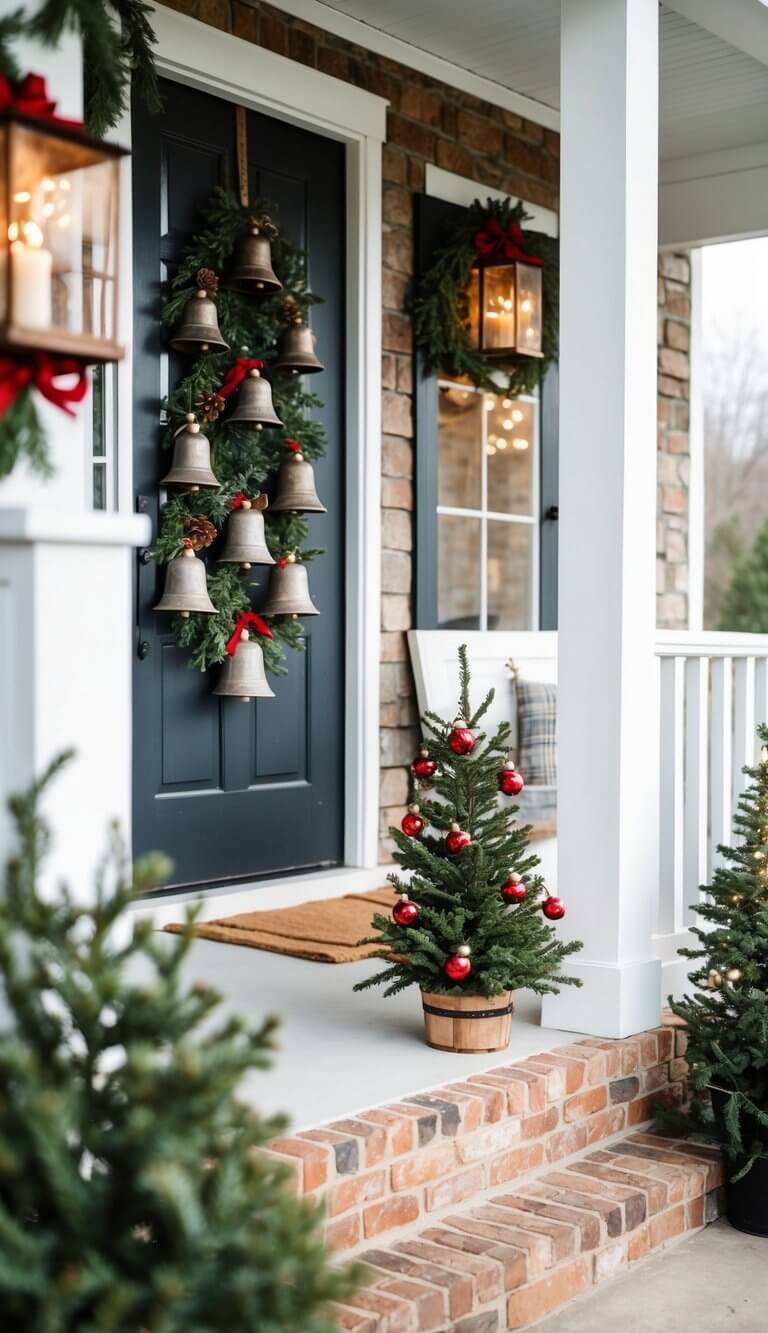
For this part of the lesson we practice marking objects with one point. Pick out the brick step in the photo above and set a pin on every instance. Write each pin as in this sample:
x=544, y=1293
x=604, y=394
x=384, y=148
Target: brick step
x=518, y=1254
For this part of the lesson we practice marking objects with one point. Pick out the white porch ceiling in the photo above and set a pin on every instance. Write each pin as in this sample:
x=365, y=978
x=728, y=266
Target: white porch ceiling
x=714, y=96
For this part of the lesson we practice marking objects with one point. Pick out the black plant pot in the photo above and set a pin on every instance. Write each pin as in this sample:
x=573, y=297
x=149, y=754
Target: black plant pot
x=746, y=1199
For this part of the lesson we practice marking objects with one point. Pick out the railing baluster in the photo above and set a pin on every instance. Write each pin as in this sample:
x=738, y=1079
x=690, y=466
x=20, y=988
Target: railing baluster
x=761, y=699
x=743, y=722
x=672, y=707
x=721, y=758
x=695, y=797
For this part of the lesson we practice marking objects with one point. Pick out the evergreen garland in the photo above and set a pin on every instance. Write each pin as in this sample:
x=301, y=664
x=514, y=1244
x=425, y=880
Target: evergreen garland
x=134, y=1194
x=459, y=896
x=440, y=307
x=242, y=458
x=726, y=1017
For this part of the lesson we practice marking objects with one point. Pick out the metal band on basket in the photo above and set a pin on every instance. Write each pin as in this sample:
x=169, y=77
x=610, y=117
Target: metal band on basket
x=468, y=1013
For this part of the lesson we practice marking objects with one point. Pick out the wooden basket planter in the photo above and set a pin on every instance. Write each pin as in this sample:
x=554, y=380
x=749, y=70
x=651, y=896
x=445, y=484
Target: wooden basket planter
x=471, y=1024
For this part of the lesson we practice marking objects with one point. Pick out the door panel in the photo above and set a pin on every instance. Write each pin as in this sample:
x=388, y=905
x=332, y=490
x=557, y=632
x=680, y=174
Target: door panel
x=233, y=791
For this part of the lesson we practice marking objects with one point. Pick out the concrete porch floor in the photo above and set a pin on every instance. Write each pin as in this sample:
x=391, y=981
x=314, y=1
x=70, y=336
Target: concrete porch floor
x=340, y=1052
x=715, y=1282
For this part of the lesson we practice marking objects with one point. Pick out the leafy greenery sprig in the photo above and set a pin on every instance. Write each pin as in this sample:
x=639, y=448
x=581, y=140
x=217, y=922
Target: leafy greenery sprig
x=440, y=306
x=243, y=459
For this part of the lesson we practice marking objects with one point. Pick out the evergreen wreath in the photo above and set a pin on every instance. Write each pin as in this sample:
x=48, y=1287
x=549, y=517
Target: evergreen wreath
x=440, y=306
x=242, y=458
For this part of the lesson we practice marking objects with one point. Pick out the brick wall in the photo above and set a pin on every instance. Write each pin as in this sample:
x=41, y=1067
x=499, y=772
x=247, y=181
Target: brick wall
x=433, y=122
x=674, y=453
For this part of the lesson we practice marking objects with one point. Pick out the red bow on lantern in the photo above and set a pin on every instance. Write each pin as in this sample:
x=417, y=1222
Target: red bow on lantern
x=494, y=242
x=39, y=371
x=237, y=374
x=242, y=622
x=237, y=500
x=294, y=446
x=30, y=98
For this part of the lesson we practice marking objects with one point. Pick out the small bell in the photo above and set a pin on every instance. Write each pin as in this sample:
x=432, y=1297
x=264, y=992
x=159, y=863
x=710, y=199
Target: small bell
x=254, y=402
x=296, y=351
x=246, y=544
x=252, y=271
x=191, y=465
x=186, y=586
x=289, y=591
x=199, y=329
x=296, y=488
x=242, y=674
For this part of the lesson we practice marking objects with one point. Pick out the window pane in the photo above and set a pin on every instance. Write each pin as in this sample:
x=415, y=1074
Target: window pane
x=99, y=486
x=460, y=416
x=509, y=575
x=97, y=411
x=458, y=572
x=511, y=450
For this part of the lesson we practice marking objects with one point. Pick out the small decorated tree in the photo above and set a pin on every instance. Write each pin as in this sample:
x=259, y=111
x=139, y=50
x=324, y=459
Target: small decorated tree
x=133, y=1195
x=726, y=1017
x=473, y=914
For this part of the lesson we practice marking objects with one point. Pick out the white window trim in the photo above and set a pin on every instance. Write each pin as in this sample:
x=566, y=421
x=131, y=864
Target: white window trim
x=217, y=62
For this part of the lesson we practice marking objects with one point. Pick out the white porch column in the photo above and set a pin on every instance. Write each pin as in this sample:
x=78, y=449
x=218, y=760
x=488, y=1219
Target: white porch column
x=608, y=720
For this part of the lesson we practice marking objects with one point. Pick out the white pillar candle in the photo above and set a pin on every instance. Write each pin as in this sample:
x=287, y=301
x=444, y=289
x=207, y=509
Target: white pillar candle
x=31, y=266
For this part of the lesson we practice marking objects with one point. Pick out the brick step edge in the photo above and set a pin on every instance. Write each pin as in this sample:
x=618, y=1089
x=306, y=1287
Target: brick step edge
x=522, y=1253
x=383, y=1170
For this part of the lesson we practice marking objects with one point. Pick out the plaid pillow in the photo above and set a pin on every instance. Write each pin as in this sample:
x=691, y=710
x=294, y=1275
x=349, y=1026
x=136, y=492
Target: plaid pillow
x=536, y=732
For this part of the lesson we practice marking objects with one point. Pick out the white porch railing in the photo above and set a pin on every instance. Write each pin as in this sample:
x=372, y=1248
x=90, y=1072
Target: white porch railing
x=713, y=690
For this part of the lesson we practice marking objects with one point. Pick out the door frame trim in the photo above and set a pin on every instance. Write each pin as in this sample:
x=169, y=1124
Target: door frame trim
x=217, y=62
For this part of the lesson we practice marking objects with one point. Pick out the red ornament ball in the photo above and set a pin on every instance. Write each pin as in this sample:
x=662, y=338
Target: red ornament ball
x=412, y=822
x=462, y=740
x=456, y=840
x=423, y=766
x=513, y=890
x=405, y=912
x=553, y=908
x=457, y=966
x=510, y=781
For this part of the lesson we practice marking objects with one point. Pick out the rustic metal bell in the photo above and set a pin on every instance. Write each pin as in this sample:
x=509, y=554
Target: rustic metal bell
x=199, y=329
x=242, y=674
x=289, y=591
x=191, y=464
x=246, y=544
x=252, y=271
x=296, y=351
x=296, y=488
x=186, y=587
x=254, y=402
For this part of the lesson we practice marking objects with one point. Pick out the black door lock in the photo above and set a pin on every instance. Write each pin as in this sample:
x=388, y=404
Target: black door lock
x=142, y=651
x=553, y=513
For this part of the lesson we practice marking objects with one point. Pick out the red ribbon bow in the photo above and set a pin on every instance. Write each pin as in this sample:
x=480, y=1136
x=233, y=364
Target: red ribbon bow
x=294, y=446
x=494, y=242
x=39, y=371
x=243, y=621
x=30, y=98
x=237, y=500
x=237, y=373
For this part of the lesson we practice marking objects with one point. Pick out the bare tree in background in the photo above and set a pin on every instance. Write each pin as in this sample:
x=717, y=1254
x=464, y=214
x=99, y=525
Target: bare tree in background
x=735, y=395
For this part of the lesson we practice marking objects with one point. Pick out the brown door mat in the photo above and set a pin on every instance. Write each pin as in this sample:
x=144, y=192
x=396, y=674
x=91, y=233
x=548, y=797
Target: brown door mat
x=326, y=931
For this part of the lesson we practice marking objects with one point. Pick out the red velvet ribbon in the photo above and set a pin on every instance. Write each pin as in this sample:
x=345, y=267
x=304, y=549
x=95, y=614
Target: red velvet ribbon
x=237, y=374
x=30, y=98
x=494, y=242
x=40, y=370
x=237, y=500
x=243, y=621
x=294, y=446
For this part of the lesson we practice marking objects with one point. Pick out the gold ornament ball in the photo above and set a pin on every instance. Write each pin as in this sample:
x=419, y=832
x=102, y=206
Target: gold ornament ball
x=715, y=979
x=733, y=974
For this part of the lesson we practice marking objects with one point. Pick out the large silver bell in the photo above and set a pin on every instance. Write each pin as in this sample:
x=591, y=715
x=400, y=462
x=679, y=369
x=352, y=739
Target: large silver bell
x=199, y=329
x=191, y=465
x=246, y=544
x=289, y=591
x=296, y=351
x=242, y=674
x=186, y=587
x=254, y=402
x=252, y=270
x=296, y=488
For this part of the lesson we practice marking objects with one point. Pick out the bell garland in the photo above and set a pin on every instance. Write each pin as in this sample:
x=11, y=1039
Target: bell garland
x=243, y=458
x=440, y=307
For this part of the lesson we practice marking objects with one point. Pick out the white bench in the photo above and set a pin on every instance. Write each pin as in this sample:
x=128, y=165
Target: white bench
x=435, y=661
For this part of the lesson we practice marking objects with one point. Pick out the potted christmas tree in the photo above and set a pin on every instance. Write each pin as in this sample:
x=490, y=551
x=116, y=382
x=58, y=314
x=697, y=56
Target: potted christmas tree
x=471, y=922
x=727, y=1015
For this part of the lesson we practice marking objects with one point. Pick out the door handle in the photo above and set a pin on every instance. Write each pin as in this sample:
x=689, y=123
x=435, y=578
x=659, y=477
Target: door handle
x=143, y=650
x=553, y=513
x=146, y=555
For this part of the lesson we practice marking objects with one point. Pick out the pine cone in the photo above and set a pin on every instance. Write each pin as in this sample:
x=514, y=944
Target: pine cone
x=210, y=406
x=292, y=311
x=264, y=223
x=200, y=532
x=207, y=281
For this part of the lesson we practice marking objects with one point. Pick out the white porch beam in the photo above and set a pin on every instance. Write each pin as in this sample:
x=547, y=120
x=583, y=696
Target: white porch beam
x=608, y=720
